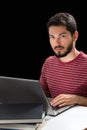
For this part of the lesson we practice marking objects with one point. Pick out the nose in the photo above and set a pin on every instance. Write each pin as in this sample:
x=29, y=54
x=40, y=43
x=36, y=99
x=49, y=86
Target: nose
x=58, y=41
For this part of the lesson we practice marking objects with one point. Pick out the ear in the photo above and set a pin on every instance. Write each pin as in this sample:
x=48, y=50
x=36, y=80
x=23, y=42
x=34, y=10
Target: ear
x=75, y=36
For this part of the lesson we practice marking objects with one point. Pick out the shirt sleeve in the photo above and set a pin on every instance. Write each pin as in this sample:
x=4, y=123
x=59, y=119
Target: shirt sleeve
x=43, y=82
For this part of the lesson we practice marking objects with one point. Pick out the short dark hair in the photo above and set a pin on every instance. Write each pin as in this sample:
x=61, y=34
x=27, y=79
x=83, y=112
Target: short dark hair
x=64, y=19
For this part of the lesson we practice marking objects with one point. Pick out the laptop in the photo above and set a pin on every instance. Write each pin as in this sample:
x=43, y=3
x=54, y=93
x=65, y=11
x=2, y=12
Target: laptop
x=24, y=101
x=20, y=101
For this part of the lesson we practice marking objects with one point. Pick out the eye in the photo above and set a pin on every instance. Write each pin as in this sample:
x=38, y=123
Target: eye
x=62, y=36
x=51, y=37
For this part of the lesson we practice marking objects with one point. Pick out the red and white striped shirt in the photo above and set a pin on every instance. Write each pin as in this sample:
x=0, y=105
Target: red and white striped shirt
x=65, y=77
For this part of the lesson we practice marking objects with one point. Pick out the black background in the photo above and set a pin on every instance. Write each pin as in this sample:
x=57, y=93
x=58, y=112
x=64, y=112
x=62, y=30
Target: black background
x=24, y=43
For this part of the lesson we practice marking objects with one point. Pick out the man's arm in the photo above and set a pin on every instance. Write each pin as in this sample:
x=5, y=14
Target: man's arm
x=68, y=99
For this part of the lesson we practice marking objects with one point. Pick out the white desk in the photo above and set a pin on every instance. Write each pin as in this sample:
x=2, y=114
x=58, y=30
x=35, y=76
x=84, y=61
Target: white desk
x=73, y=119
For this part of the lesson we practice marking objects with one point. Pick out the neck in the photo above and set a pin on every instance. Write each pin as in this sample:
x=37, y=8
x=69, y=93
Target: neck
x=72, y=55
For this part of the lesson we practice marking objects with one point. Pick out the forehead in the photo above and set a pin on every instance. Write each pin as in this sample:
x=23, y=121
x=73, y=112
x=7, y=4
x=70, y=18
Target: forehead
x=57, y=30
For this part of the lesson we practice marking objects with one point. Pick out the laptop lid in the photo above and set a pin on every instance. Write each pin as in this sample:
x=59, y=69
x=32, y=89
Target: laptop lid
x=21, y=113
x=20, y=101
x=19, y=90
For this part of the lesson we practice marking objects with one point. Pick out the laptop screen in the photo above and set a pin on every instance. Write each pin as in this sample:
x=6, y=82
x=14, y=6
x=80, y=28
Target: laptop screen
x=19, y=90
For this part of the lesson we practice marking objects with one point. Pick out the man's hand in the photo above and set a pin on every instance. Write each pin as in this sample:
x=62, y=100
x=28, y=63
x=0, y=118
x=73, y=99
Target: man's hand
x=64, y=100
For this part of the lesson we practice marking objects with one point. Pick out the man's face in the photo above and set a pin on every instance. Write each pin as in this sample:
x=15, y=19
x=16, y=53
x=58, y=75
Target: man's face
x=61, y=40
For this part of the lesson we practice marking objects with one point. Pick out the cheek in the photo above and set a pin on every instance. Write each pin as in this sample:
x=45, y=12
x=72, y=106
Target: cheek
x=52, y=45
x=53, y=42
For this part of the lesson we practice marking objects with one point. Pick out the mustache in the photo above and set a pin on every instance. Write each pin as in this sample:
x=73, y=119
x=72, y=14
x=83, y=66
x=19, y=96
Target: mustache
x=58, y=47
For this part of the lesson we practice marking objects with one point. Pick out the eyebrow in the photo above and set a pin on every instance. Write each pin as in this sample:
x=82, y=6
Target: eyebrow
x=62, y=33
x=59, y=34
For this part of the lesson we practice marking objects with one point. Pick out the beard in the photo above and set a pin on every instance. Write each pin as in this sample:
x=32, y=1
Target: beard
x=69, y=48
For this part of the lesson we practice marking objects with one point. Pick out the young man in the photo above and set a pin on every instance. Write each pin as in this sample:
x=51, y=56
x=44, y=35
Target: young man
x=64, y=75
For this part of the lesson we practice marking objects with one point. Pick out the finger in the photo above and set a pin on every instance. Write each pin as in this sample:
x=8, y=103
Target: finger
x=57, y=102
x=62, y=105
